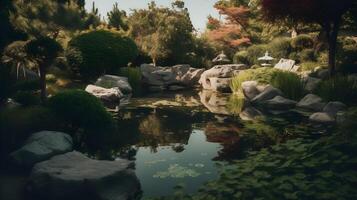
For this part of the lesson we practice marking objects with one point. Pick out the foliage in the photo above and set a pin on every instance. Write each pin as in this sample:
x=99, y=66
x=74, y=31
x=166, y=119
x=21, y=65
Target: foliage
x=241, y=57
x=307, y=55
x=202, y=53
x=162, y=33
x=134, y=77
x=27, y=98
x=6, y=81
x=100, y=51
x=308, y=66
x=289, y=83
x=279, y=48
x=81, y=110
x=117, y=18
x=47, y=18
x=262, y=75
x=302, y=41
x=44, y=51
x=297, y=11
x=16, y=124
x=347, y=58
x=254, y=52
x=339, y=88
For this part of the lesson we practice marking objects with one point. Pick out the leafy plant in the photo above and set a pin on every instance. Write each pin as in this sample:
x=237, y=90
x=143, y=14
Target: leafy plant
x=339, y=88
x=241, y=57
x=254, y=52
x=302, y=41
x=289, y=83
x=279, y=47
x=307, y=55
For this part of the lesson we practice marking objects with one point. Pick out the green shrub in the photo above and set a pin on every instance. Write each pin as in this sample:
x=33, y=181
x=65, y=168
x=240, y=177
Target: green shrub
x=27, y=85
x=17, y=124
x=262, y=75
x=347, y=59
x=289, y=83
x=27, y=98
x=302, y=41
x=308, y=66
x=279, y=48
x=294, y=56
x=100, y=51
x=254, y=52
x=241, y=57
x=81, y=110
x=339, y=88
x=307, y=55
x=134, y=77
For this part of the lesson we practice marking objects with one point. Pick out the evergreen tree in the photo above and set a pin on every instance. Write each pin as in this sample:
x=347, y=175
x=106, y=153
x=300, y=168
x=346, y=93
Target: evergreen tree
x=117, y=18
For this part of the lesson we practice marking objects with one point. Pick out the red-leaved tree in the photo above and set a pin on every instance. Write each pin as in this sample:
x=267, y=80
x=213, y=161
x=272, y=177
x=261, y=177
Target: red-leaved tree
x=327, y=13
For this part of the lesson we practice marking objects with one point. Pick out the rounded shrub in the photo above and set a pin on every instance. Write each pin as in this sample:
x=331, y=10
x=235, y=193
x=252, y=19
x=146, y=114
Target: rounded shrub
x=81, y=110
x=280, y=47
x=254, y=52
x=101, y=51
x=241, y=57
x=307, y=55
x=302, y=41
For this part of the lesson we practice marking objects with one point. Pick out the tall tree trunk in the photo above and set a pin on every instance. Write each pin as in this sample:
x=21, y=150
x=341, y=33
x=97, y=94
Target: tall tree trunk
x=332, y=40
x=43, y=83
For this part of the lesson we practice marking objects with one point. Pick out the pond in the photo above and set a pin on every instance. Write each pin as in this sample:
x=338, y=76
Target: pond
x=176, y=139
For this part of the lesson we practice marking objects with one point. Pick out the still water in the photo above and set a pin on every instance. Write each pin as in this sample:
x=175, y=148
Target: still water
x=176, y=139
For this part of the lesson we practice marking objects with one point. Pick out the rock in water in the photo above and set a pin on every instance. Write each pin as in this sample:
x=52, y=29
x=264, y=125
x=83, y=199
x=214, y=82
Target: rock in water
x=73, y=175
x=267, y=94
x=311, y=102
x=104, y=94
x=111, y=81
x=42, y=146
x=280, y=103
x=250, y=89
x=222, y=73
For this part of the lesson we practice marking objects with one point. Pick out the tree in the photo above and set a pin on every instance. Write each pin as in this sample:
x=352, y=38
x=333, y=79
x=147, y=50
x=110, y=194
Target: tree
x=327, y=13
x=117, y=18
x=44, y=51
x=162, y=33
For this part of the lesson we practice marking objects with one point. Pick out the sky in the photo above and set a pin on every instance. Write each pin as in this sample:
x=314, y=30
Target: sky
x=199, y=9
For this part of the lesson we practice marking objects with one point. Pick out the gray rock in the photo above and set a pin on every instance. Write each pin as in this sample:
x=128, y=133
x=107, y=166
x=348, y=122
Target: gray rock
x=220, y=84
x=111, y=81
x=322, y=118
x=334, y=107
x=279, y=103
x=323, y=74
x=250, y=89
x=267, y=94
x=108, y=95
x=285, y=64
x=311, y=102
x=219, y=71
x=41, y=146
x=311, y=83
x=250, y=113
x=73, y=175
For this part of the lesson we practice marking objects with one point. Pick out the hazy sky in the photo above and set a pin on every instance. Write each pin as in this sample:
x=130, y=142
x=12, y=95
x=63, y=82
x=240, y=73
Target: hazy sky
x=199, y=9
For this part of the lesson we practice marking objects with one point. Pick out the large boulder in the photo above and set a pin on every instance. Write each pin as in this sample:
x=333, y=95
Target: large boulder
x=250, y=89
x=311, y=102
x=268, y=93
x=75, y=176
x=322, y=118
x=163, y=77
x=209, y=77
x=111, y=81
x=311, y=83
x=104, y=94
x=41, y=146
x=279, y=103
x=334, y=107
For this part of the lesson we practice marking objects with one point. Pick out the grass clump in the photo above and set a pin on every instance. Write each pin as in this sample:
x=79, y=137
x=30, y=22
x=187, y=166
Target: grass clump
x=308, y=66
x=289, y=83
x=339, y=88
x=134, y=77
x=262, y=75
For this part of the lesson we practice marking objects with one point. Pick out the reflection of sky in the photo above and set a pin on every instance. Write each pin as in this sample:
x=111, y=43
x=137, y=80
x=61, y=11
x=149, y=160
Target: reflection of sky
x=197, y=156
x=199, y=9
